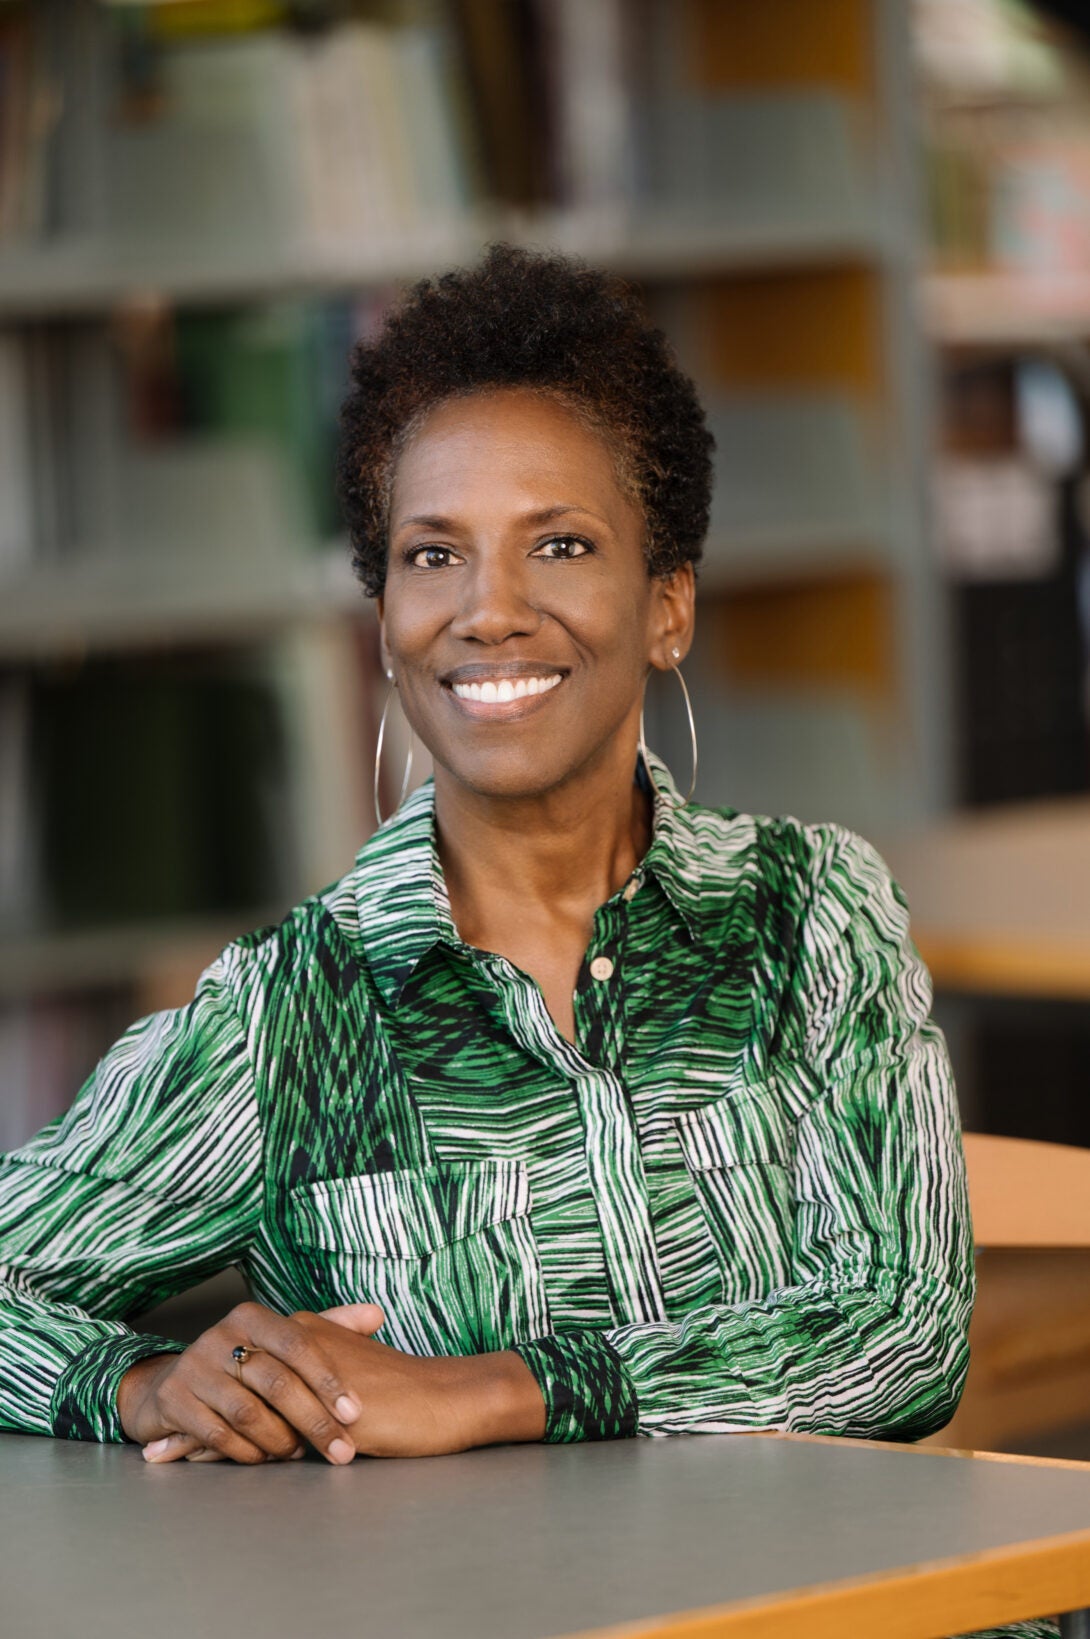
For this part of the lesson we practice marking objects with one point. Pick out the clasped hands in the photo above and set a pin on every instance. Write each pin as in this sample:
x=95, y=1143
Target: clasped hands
x=323, y=1379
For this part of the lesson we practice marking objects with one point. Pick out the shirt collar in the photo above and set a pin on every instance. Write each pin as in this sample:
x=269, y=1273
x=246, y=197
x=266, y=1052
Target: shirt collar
x=674, y=857
x=401, y=894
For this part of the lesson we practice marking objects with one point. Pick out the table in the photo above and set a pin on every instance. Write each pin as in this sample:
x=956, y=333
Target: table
x=763, y=1535
x=1000, y=898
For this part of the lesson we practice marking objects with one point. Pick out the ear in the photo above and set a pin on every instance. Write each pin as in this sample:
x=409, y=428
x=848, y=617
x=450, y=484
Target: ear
x=673, y=617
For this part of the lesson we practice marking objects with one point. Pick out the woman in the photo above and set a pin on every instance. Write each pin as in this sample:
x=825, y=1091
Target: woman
x=581, y=1111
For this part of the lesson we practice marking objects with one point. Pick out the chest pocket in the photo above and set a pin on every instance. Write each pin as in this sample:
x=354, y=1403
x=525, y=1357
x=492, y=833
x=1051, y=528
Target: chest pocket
x=447, y=1252
x=740, y=1154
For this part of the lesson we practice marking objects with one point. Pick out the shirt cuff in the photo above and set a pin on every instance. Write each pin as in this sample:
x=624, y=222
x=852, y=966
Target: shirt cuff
x=588, y=1394
x=84, y=1405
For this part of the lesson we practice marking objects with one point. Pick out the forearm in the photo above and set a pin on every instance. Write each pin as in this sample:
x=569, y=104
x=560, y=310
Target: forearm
x=868, y=1360
x=500, y=1398
x=862, y=1360
x=59, y=1366
x=423, y=1406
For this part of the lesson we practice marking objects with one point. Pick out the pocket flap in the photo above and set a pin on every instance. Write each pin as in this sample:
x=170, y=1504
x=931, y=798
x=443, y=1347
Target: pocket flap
x=739, y=1130
x=410, y=1213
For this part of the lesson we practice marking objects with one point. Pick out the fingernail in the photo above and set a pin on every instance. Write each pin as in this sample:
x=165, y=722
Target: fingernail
x=348, y=1408
x=155, y=1448
x=341, y=1451
x=300, y=1451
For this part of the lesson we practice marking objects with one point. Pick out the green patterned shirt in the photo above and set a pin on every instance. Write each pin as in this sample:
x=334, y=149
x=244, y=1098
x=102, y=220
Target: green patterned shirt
x=737, y=1201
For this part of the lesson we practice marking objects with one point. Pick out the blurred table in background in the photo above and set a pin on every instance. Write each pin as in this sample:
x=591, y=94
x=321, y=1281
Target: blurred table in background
x=1000, y=905
x=1000, y=900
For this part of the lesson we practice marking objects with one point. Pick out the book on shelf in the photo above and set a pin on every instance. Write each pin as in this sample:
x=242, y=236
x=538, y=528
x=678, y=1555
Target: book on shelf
x=590, y=66
x=16, y=459
x=1007, y=139
x=158, y=790
x=275, y=373
x=153, y=789
x=19, y=849
x=195, y=452
x=377, y=142
x=15, y=81
x=262, y=140
x=152, y=800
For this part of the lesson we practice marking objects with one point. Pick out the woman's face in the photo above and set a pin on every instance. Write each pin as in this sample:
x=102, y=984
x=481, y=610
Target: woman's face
x=518, y=615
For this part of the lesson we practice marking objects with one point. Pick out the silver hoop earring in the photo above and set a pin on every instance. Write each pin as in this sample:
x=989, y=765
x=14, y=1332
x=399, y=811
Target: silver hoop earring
x=692, y=735
x=378, y=757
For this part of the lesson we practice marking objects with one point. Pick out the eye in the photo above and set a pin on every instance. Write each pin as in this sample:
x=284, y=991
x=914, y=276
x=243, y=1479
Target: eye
x=430, y=557
x=566, y=546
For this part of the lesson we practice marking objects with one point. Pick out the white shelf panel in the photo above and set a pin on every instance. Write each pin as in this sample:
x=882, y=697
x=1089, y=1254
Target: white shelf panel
x=676, y=245
x=84, y=610
x=771, y=558
x=70, y=279
x=84, y=278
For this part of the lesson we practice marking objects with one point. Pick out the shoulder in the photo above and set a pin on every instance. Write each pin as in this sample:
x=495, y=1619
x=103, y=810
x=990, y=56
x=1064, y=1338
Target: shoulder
x=809, y=865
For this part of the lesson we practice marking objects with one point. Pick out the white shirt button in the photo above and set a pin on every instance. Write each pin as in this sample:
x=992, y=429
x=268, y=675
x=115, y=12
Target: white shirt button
x=601, y=968
x=632, y=889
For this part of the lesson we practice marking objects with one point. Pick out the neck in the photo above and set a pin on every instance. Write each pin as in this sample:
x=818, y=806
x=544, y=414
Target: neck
x=557, y=855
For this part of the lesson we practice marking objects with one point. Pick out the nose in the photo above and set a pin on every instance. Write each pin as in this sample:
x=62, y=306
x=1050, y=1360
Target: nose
x=495, y=604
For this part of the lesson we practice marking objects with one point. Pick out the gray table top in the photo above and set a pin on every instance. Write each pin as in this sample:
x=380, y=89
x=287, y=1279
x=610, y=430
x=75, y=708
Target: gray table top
x=522, y=1542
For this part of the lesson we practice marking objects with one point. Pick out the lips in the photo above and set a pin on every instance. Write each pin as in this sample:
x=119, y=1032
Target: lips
x=510, y=690
x=492, y=691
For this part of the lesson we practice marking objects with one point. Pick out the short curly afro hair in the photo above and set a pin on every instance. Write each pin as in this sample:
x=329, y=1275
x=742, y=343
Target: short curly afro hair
x=550, y=324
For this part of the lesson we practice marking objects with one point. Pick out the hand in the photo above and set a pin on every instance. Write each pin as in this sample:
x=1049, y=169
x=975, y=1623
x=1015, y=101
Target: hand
x=415, y=1406
x=192, y=1405
x=425, y=1406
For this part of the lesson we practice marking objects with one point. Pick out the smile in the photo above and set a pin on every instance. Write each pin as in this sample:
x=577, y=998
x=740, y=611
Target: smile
x=496, y=691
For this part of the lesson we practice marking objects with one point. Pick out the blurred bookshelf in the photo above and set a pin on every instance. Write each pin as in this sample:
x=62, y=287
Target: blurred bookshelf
x=202, y=205
x=1005, y=97
x=1005, y=121
x=1004, y=114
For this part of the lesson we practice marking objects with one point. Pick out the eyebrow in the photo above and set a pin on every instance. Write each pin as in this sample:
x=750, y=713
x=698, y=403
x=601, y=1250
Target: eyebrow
x=544, y=515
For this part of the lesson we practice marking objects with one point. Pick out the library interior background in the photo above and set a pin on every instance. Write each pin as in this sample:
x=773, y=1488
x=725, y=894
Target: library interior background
x=865, y=227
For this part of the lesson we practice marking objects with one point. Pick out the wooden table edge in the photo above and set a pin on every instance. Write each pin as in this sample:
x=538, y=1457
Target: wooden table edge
x=932, y=1600
x=1013, y=1458
x=1006, y=964
x=937, y=1598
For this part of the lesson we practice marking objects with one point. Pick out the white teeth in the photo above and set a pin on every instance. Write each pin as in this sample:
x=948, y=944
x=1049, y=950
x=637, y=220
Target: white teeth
x=493, y=692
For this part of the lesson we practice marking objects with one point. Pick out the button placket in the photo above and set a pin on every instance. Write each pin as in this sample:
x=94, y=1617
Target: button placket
x=614, y=1159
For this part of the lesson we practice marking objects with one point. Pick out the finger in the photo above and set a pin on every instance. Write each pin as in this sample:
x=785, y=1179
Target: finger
x=244, y=1409
x=170, y=1448
x=289, y=1338
x=280, y=1388
x=203, y=1456
x=365, y=1318
x=215, y=1456
x=192, y=1414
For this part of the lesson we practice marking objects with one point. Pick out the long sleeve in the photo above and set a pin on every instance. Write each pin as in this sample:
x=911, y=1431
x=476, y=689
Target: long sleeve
x=149, y=1183
x=869, y=1337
